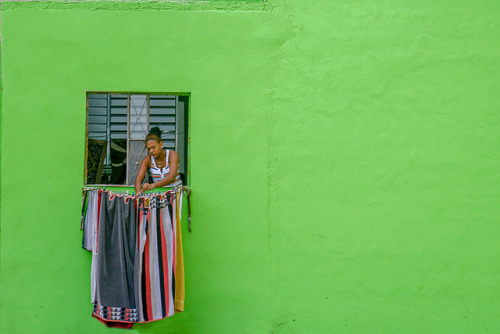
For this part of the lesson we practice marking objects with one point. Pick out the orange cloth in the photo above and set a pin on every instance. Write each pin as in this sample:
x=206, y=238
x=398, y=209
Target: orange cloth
x=179, y=258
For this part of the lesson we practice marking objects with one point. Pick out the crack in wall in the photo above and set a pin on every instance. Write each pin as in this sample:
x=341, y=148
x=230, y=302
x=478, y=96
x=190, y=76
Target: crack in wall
x=287, y=33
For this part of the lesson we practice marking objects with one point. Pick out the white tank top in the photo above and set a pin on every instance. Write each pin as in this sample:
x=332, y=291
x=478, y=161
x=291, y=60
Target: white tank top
x=161, y=173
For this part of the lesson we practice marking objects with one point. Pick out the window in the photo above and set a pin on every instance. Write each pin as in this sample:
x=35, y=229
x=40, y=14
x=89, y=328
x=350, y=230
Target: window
x=117, y=125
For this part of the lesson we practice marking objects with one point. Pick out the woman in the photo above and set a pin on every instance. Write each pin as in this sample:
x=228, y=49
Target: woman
x=162, y=164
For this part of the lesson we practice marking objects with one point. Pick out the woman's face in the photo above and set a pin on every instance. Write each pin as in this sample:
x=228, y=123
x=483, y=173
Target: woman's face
x=154, y=147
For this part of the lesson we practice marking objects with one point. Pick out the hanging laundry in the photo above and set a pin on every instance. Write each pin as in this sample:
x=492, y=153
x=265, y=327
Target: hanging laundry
x=137, y=272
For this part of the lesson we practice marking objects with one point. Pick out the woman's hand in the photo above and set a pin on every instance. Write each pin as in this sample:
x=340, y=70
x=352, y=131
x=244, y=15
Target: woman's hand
x=147, y=186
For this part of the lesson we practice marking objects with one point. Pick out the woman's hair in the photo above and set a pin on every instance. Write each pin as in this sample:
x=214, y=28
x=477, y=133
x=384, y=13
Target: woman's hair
x=154, y=133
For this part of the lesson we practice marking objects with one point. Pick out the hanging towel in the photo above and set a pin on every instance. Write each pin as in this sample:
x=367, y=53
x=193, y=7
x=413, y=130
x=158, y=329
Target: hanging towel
x=116, y=250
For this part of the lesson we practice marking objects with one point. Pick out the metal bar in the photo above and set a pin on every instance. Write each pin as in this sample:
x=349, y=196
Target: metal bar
x=128, y=139
x=118, y=92
x=108, y=131
x=176, y=122
x=85, y=170
x=91, y=186
x=147, y=115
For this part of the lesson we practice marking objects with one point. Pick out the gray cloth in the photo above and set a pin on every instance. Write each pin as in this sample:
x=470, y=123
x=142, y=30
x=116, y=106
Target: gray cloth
x=116, y=253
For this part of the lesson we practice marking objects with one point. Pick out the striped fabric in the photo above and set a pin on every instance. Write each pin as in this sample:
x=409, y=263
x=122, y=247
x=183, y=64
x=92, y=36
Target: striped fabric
x=160, y=173
x=156, y=260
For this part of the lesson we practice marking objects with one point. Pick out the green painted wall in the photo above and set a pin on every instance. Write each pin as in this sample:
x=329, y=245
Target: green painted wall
x=344, y=160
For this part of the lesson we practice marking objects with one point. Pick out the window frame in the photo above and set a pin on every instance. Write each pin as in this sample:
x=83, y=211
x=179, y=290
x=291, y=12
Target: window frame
x=187, y=121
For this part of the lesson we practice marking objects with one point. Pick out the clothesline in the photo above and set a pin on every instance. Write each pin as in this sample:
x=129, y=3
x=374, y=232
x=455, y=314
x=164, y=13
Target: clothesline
x=185, y=189
x=125, y=194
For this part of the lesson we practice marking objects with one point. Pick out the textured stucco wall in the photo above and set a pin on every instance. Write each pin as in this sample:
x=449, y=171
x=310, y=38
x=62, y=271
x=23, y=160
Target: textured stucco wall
x=344, y=160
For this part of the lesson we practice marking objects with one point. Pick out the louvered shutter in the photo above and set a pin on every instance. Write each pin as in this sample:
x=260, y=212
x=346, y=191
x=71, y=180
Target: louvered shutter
x=98, y=106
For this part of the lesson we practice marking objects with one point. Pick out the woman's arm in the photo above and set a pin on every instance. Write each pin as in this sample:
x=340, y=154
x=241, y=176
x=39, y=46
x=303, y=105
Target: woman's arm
x=173, y=159
x=141, y=173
